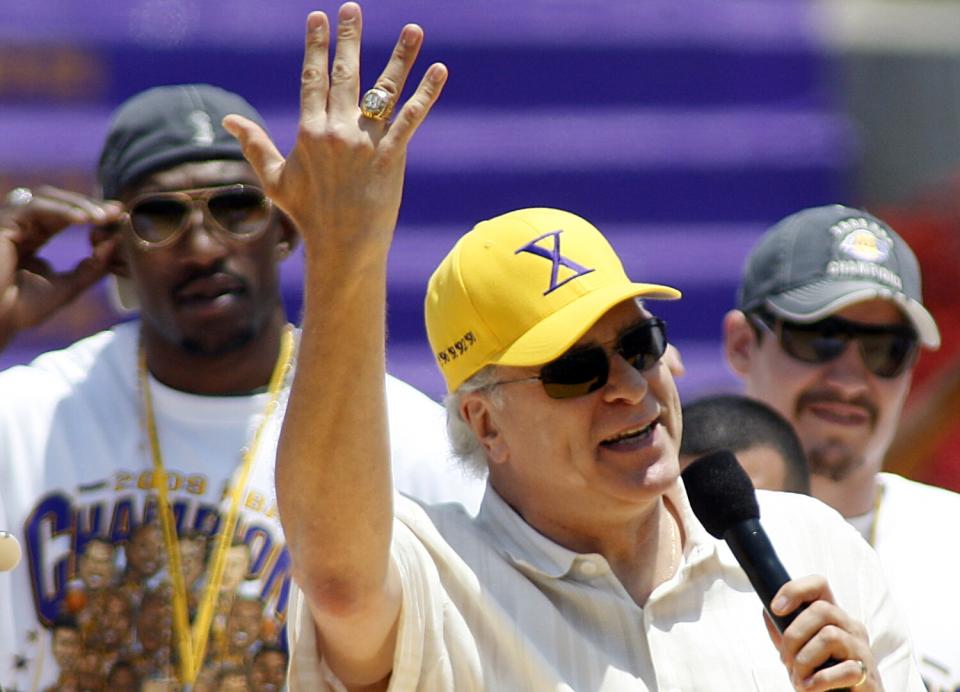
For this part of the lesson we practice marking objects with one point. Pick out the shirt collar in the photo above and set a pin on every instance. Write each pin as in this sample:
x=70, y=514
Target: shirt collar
x=528, y=549
x=704, y=546
x=699, y=545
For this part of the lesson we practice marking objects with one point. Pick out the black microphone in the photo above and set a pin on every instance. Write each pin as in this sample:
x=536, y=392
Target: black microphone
x=724, y=500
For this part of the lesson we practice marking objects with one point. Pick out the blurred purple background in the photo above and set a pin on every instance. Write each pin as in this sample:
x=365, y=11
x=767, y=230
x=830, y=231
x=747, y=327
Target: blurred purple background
x=681, y=129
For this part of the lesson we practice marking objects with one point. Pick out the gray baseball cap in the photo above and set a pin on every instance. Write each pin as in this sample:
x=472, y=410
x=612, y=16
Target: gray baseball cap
x=820, y=260
x=166, y=126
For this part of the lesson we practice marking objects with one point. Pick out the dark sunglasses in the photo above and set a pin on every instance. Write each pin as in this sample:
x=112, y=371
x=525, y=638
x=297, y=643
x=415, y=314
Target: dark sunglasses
x=239, y=212
x=584, y=370
x=886, y=350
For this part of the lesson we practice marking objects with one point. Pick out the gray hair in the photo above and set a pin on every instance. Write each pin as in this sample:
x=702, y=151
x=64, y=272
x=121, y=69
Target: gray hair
x=464, y=444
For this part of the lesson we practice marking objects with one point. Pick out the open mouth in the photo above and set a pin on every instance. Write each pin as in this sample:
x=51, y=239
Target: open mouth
x=630, y=437
x=240, y=637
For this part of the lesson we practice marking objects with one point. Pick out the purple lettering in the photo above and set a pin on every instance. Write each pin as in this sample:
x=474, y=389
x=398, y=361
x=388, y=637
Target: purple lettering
x=556, y=259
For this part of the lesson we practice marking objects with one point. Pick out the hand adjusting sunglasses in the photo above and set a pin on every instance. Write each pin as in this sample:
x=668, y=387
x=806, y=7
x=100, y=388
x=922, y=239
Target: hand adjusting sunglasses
x=585, y=369
x=238, y=212
x=886, y=350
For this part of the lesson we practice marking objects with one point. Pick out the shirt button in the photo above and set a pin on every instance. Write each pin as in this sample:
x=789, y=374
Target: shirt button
x=589, y=568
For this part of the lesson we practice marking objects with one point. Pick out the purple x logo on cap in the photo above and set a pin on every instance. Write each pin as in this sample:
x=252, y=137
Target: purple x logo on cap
x=555, y=258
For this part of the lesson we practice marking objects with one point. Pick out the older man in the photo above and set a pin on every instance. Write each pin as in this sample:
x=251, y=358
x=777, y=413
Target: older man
x=585, y=568
x=829, y=324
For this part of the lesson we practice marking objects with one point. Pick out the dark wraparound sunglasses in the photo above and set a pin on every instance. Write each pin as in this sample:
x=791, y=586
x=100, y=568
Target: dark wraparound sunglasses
x=584, y=370
x=238, y=212
x=886, y=350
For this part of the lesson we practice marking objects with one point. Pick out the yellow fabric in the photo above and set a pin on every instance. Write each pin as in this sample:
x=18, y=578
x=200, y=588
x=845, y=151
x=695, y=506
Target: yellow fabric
x=520, y=289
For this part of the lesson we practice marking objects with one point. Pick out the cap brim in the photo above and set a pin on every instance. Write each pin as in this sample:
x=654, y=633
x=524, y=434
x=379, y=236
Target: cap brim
x=823, y=298
x=555, y=334
x=123, y=295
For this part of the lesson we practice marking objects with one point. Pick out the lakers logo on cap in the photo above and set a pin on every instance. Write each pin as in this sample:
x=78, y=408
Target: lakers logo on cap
x=863, y=240
x=556, y=259
x=862, y=250
x=864, y=245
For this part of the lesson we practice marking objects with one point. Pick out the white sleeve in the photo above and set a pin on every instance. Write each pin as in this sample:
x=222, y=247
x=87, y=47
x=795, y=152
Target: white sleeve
x=421, y=660
x=887, y=625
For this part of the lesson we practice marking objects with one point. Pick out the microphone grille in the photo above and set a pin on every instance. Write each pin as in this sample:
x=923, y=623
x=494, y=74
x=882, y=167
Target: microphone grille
x=720, y=491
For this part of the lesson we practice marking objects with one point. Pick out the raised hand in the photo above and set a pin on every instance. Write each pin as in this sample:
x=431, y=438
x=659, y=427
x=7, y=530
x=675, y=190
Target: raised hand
x=342, y=185
x=30, y=290
x=343, y=181
x=823, y=631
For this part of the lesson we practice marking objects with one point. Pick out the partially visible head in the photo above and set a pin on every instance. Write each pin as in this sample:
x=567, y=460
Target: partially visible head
x=193, y=556
x=96, y=565
x=155, y=620
x=66, y=642
x=763, y=441
x=514, y=295
x=111, y=624
x=236, y=566
x=232, y=678
x=268, y=669
x=829, y=320
x=123, y=677
x=244, y=623
x=144, y=552
x=89, y=674
x=203, y=274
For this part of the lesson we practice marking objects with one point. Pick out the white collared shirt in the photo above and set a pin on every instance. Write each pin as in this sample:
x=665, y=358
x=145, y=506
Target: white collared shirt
x=914, y=537
x=491, y=604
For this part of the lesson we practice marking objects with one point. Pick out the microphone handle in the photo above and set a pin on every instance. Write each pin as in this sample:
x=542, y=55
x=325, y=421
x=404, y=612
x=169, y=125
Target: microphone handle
x=750, y=546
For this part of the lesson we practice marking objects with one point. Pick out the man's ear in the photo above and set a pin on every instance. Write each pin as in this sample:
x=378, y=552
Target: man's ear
x=477, y=410
x=288, y=238
x=739, y=341
x=117, y=263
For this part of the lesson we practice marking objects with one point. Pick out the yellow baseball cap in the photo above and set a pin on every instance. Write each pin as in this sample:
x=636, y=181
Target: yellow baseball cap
x=520, y=289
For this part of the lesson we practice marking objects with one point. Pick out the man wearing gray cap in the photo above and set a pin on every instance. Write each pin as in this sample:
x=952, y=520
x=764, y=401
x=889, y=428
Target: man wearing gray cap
x=829, y=323
x=165, y=426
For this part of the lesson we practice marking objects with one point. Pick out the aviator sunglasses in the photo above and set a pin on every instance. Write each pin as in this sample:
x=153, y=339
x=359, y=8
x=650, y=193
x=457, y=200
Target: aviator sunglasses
x=886, y=350
x=584, y=370
x=238, y=212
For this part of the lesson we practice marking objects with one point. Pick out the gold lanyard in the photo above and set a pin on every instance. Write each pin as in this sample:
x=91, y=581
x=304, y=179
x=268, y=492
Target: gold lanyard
x=872, y=533
x=192, y=645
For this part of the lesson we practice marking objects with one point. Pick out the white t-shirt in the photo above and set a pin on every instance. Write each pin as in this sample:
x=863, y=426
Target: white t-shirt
x=75, y=464
x=491, y=604
x=915, y=537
